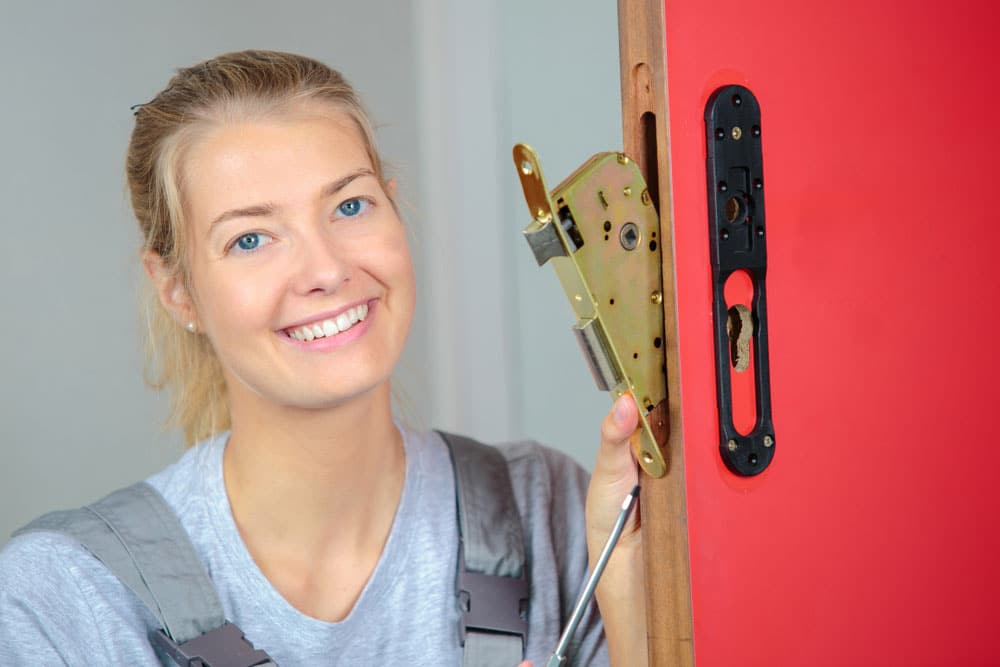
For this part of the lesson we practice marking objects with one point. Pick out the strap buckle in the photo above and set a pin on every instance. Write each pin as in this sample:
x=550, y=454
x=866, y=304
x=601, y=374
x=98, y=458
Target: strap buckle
x=225, y=646
x=491, y=603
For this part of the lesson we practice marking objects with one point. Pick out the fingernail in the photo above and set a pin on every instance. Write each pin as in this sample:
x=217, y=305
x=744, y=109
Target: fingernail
x=621, y=411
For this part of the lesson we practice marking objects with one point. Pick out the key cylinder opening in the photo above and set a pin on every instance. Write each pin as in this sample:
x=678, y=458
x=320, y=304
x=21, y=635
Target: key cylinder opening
x=738, y=292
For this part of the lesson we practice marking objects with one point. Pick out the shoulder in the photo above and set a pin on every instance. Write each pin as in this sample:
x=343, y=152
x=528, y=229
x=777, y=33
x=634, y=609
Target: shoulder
x=530, y=456
x=549, y=487
x=33, y=564
x=546, y=481
x=59, y=604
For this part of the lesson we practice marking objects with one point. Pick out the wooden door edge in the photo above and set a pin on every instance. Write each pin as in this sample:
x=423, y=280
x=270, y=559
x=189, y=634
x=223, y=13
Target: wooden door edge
x=645, y=125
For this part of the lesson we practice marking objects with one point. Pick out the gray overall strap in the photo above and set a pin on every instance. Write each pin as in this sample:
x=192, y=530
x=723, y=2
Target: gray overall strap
x=493, y=588
x=137, y=536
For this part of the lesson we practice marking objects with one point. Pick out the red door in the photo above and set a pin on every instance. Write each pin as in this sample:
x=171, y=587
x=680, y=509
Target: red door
x=873, y=537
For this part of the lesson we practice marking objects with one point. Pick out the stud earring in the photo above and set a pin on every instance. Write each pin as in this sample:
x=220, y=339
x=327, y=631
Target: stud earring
x=192, y=327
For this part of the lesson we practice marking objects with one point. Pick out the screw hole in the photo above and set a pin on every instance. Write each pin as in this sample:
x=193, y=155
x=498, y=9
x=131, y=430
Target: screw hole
x=652, y=246
x=737, y=100
x=526, y=168
x=657, y=342
x=607, y=225
x=635, y=355
x=720, y=133
x=752, y=459
x=612, y=302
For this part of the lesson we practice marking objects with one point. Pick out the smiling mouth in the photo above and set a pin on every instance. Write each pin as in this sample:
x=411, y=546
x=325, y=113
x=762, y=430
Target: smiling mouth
x=330, y=327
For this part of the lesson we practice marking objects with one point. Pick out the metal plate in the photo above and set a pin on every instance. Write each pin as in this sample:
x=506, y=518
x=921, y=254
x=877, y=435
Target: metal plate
x=609, y=265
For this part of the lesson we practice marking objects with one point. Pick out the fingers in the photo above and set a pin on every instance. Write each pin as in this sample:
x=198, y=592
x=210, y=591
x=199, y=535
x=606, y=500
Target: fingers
x=614, y=457
x=615, y=471
x=622, y=420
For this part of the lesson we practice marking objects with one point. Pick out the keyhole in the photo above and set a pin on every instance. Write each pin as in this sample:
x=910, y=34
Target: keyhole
x=739, y=327
x=739, y=320
x=734, y=209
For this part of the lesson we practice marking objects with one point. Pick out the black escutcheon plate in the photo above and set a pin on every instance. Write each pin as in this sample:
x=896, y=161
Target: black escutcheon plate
x=737, y=235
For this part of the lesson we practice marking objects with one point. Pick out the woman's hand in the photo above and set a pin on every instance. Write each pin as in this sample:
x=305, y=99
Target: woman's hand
x=621, y=591
x=615, y=475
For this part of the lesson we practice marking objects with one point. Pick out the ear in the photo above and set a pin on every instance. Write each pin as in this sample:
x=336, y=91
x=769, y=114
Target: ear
x=169, y=285
x=390, y=188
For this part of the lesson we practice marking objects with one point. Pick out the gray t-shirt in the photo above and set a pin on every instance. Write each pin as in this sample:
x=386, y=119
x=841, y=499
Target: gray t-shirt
x=60, y=605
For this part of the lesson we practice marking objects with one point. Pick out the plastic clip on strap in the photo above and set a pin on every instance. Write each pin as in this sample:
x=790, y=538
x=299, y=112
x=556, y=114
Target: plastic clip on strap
x=224, y=646
x=491, y=603
x=492, y=584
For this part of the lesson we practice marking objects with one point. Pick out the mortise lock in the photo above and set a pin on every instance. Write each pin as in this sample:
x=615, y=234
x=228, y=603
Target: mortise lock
x=599, y=230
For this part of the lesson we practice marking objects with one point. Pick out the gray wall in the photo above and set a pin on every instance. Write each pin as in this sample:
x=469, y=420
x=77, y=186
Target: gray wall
x=452, y=85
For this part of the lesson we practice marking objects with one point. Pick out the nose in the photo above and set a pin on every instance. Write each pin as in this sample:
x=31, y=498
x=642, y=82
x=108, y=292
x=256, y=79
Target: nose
x=321, y=266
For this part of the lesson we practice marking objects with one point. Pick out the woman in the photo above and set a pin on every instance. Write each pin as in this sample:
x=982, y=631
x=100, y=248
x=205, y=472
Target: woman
x=283, y=296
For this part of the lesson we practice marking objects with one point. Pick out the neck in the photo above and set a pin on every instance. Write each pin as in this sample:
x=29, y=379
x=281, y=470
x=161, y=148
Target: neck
x=314, y=481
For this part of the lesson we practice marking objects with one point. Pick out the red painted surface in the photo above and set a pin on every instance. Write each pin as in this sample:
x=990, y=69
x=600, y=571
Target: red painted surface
x=874, y=536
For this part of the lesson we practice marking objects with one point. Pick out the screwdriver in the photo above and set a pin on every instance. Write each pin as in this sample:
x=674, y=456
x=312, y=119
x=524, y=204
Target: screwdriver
x=558, y=658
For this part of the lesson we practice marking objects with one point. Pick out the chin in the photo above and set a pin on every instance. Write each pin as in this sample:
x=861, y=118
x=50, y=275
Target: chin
x=319, y=387
x=329, y=398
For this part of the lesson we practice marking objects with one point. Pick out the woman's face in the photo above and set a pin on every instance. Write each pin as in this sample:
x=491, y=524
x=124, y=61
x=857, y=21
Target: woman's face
x=299, y=267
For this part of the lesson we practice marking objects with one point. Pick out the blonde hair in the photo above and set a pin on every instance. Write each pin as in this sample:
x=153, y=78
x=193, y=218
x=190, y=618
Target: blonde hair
x=233, y=86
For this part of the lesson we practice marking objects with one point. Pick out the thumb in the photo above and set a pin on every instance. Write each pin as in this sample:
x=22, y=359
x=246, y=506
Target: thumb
x=614, y=462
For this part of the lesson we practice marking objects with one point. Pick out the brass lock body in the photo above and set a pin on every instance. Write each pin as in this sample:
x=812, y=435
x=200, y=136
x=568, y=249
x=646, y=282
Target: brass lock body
x=599, y=229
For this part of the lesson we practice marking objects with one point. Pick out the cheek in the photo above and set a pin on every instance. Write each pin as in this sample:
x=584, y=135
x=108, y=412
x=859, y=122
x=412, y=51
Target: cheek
x=402, y=262
x=233, y=301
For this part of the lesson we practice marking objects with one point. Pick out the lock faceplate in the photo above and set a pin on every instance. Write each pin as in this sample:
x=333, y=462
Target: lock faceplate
x=600, y=231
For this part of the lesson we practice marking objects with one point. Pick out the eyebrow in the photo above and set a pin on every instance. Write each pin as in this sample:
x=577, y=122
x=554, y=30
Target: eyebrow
x=268, y=208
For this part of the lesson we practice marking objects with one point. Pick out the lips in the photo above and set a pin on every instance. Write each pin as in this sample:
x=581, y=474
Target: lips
x=330, y=327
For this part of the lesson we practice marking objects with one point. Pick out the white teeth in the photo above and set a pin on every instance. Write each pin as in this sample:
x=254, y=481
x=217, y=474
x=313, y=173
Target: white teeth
x=331, y=327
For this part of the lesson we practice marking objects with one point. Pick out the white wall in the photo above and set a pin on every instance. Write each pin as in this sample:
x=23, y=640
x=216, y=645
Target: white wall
x=453, y=84
x=562, y=96
x=496, y=73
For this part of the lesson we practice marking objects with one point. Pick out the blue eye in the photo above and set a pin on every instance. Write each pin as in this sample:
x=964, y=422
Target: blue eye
x=352, y=207
x=250, y=242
